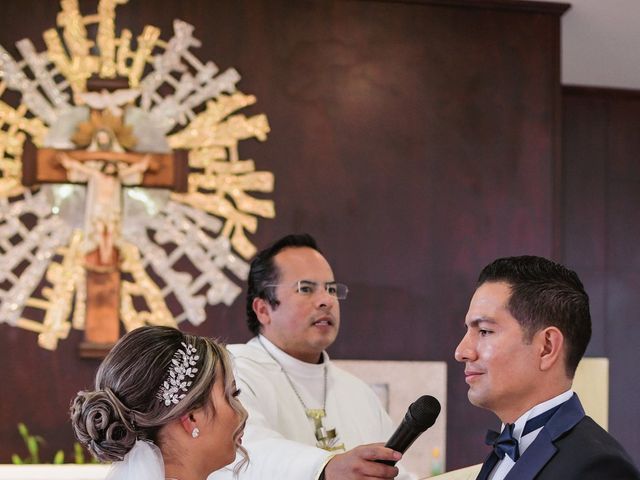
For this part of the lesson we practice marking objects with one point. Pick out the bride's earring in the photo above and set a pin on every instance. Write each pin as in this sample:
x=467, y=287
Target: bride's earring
x=195, y=433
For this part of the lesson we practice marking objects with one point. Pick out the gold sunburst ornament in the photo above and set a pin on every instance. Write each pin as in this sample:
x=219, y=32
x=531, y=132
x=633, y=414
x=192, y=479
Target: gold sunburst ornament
x=90, y=178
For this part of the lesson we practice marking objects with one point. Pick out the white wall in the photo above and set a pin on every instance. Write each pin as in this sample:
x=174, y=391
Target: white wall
x=601, y=43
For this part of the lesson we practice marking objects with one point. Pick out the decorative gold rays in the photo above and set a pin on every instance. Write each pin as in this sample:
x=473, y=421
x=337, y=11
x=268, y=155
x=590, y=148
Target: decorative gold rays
x=221, y=187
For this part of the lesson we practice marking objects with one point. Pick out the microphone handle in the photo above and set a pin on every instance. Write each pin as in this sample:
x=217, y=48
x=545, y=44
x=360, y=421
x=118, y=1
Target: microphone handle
x=400, y=441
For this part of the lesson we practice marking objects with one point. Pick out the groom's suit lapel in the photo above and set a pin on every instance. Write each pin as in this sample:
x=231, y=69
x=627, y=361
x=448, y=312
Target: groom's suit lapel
x=542, y=449
x=487, y=466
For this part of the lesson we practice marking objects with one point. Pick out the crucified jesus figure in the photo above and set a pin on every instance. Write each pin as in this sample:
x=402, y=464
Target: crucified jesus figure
x=104, y=203
x=105, y=159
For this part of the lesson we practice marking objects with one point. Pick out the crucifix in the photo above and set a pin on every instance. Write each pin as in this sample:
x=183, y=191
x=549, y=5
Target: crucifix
x=326, y=438
x=105, y=161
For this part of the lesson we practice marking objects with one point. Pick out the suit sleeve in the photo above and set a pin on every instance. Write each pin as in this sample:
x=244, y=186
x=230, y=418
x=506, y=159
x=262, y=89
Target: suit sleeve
x=611, y=467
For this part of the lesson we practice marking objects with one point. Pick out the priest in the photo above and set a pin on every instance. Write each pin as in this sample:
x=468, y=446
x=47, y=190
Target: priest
x=308, y=419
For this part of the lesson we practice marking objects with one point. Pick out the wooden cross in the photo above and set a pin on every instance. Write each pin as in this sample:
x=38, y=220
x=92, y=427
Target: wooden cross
x=104, y=172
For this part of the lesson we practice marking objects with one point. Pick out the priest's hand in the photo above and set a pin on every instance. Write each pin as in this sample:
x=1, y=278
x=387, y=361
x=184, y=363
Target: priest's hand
x=360, y=463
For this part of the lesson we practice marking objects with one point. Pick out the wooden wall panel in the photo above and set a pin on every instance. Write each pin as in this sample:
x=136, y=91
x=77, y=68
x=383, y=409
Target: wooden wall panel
x=601, y=185
x=417, y=141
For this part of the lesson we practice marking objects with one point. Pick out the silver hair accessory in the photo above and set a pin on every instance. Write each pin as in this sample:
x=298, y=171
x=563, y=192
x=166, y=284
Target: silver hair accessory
x=182, y=366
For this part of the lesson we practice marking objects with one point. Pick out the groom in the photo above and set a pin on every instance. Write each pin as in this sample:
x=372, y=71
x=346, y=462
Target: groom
x=528, y=326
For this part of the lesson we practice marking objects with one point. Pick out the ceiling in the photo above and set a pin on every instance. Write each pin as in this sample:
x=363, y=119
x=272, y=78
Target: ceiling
x=601, y=43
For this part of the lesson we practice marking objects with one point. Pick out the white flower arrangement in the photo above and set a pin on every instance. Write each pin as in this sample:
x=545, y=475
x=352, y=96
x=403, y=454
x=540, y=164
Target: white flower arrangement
x=182, y=366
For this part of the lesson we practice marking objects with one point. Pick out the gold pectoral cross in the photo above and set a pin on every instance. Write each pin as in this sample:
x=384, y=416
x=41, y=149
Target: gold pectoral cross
x=326, y=438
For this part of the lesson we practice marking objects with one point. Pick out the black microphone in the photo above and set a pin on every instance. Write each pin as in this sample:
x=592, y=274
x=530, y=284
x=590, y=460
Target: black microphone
x=420, y=415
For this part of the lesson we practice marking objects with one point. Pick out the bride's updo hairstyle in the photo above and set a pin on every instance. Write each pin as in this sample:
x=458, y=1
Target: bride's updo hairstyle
x=127, y=403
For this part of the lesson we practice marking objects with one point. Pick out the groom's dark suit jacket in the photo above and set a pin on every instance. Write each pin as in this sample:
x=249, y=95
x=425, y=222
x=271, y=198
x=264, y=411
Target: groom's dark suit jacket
x=571, y=446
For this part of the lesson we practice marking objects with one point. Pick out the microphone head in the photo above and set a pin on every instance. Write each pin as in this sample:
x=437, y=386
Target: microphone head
x=423, y=413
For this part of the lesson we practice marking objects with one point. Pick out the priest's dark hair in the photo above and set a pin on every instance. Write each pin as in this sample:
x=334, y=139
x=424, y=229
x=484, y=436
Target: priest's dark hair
x=544, y=294
x=264, y=272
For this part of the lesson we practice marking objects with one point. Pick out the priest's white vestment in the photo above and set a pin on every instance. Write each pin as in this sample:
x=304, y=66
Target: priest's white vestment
x=279, y=436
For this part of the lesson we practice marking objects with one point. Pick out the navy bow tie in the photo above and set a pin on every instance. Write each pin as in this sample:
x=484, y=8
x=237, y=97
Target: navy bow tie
x=504, y=443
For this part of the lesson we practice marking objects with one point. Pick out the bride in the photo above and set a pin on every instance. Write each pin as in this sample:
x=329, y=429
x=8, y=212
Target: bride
x=164, y=407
